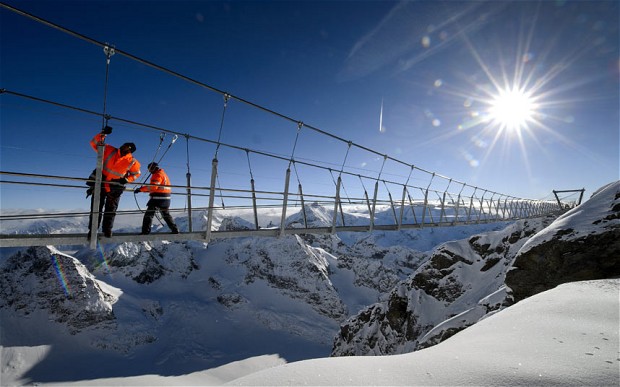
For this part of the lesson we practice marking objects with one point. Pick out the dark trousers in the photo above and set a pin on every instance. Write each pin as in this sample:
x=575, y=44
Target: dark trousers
x=152, y=206
x=109, y=201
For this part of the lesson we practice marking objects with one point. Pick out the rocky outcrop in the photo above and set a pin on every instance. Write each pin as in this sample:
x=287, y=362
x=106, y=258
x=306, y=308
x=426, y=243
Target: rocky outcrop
x=456, y=281
x=465, y=281
x=147, y=262
x=294, y=268
x=583, y=244
x=56, y=283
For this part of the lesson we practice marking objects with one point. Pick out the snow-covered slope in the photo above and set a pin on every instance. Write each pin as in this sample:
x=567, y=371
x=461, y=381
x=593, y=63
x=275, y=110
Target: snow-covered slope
x=42, y=278
x=582, y=244
x=567, y=336
x=465, y=281
x=462, y=281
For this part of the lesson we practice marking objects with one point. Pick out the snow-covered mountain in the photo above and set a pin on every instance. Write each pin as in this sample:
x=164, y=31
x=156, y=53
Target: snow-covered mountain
x=465, y=281
x=172, y=308
x=460, y=283
x=43, y=278
x=181, y=307
x=582, y=244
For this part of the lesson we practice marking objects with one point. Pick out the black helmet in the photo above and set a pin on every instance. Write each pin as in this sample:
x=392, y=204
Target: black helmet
x=152, y=166
x=131, y=145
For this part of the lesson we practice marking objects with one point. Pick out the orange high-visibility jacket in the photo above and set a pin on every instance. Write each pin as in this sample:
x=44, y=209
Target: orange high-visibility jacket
x=160, y=187
x=116, y=166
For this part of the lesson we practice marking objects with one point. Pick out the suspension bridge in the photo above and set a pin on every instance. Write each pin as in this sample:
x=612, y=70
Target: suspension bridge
x=319, y=171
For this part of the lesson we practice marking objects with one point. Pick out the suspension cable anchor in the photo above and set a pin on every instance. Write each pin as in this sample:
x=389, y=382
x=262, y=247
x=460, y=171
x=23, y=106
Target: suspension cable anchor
x=108, y=50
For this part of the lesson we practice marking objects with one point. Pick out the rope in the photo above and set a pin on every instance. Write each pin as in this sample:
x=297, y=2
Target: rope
x=346, y=155
x=299, y=126
x=188, y=174
x=363, y=186
x=409, y=177
x=135, y=197
x=385, y=157
x=187, y=151
x=298, y=181
x=296, y=174
x=109, y=51
x=217, y=177
x=247, y=153
x=219, y=136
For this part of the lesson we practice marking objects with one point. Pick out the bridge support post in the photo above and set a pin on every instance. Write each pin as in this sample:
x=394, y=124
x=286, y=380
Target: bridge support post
x=402, y=208
x=393, y=207
x=374, y=207
x=490, y=203
x=458, y=204
x=94, y=209
x=471, y=205
x=211, y=200
x=189, y=200
x=481, y=210
x=442, y=213
x=456, y=209
x=499, y=201
x=368, y=205
x=412, y=204
x=254, y=204
x=336, y=205
x=285, y=201
x=303, y=206
x=426, y=201
x=424, y=207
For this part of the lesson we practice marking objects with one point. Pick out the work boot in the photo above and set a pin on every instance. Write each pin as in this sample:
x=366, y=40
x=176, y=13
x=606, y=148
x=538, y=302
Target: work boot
x=107, y=234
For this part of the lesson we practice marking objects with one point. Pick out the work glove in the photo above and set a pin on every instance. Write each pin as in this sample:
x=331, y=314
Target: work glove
x=137, y=190
x=107, y=130
x=122, y=181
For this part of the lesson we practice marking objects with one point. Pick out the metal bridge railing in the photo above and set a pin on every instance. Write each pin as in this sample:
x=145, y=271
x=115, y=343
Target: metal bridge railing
x=273, y=213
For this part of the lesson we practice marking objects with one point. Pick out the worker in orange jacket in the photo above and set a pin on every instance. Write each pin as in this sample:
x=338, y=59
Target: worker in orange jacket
x=160, y=193
x=119, y=168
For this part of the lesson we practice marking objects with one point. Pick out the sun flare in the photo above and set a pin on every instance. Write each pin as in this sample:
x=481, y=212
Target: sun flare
x=512, y=109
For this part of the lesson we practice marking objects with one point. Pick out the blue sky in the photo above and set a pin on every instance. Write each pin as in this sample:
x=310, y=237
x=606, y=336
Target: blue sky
x=437, y=68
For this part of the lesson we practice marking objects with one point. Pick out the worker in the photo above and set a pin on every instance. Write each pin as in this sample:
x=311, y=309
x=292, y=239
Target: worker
x=119, y=168
x=160, y=192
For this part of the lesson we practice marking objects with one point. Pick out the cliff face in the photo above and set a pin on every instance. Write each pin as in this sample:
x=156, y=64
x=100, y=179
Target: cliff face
x=465, y=281
x=582, y=244
x=44, y=279
x=462, y=278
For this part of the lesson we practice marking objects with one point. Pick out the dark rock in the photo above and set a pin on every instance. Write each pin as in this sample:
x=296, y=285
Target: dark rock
x=582, y=244
x=558, y=261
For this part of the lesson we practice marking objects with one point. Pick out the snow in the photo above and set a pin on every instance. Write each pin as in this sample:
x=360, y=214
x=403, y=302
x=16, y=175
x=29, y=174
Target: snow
x=565, y=336
x=582, y=220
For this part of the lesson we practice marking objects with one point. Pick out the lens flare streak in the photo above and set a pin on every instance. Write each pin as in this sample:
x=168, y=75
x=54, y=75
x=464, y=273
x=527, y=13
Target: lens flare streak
x=60, y=273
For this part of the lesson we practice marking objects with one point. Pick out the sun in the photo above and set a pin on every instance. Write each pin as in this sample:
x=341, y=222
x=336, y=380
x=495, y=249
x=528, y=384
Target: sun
x=512, y=109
